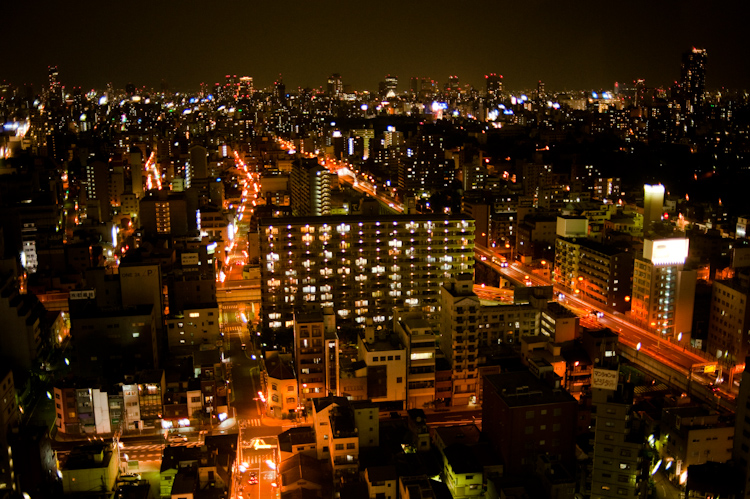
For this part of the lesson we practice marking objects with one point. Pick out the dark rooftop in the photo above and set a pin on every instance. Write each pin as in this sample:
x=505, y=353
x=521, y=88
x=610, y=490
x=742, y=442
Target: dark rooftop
x=519, y=389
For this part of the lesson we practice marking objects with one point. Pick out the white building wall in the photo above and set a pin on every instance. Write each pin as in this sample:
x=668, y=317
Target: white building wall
x=132, y=407
x=101, y=411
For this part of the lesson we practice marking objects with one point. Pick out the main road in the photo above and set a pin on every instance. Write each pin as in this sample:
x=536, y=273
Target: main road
x=679, y=357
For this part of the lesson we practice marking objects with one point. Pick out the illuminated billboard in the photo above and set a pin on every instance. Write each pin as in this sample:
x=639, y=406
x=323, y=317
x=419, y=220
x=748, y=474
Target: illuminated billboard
x=666, y=251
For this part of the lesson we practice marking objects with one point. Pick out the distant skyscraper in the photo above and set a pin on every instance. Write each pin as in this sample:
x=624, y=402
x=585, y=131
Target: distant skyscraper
x=231, y=87
x=280, y=89
x=55, y=87
x=540, y=90
x=694, y=77
x=494, y=84
x=391, y=84
x=415, y=84
x=335, y=85
x=246, y=86
x=453, y=84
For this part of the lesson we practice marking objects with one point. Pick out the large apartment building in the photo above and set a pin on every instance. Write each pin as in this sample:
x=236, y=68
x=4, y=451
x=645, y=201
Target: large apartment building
x=362, y=266
x=663, y=291
x=730, y=318
x=316, y=351
x=459, y=338
x=600, y=273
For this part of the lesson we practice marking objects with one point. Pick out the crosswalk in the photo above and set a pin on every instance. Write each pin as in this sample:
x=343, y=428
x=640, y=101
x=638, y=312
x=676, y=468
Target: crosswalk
x=148, y=447
x=257, y=460
x=246, y=423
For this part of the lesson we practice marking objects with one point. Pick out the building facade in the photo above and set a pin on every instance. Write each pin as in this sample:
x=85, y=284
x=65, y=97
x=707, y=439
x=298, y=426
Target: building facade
x=370, y=264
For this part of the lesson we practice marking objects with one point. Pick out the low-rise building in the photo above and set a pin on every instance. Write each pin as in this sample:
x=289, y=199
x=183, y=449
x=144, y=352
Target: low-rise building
x=695, y=435
x=91, y=467
x=280, y=384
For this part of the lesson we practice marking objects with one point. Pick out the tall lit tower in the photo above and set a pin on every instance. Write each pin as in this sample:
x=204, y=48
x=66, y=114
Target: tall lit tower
x=391, y=85
x=335, y=85
x=653, y=204
x=694, y=77
x=663, y=291
x=55, y=87
x=494, y=83
x=246, y=86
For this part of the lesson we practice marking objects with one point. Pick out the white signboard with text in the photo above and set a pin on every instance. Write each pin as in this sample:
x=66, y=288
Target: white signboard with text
x=605, y=379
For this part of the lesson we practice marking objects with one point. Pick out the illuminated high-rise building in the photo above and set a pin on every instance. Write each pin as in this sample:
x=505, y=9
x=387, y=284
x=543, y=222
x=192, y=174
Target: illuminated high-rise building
x=653, y=204
x=391, y=85
x=494, y=84
x=540, y=92
x=97, y=191
x=663, y=291
x=335, y=85
x=730, y=315
x=363, y=266
x=310, y=185
x=453, y=85
x=246, y=87
x=55, y=87
x=693, y=78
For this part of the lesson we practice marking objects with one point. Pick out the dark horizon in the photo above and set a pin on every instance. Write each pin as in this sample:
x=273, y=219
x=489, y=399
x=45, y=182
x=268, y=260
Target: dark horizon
x=587, y=47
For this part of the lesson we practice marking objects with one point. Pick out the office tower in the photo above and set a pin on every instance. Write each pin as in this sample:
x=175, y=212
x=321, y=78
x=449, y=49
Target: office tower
x=163, y=213
x=730, y=318
x=136, y=171
x=541, y=94
x=246, y=87
x=316, y=349
x=335, y=86
x=279, y=90
x=310, y=185
x=368, y=263
x=417, y=84
x=493, y=85
x=653, y=205
x=640, y=92
x=663, y=292
x=693, y=78
x=391, y=86
x=453, y=85
x=55, y=87
x=116, y=185
x=97, y=191
x=531, y=416
x=198, y=166
x=231, y=87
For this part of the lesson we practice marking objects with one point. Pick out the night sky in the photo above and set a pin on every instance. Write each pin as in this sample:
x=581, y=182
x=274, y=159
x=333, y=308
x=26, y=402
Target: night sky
x=577, y=44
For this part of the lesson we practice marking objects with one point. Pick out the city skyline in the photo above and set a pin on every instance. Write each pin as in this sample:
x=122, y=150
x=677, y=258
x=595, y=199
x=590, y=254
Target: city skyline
x=307, y=43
